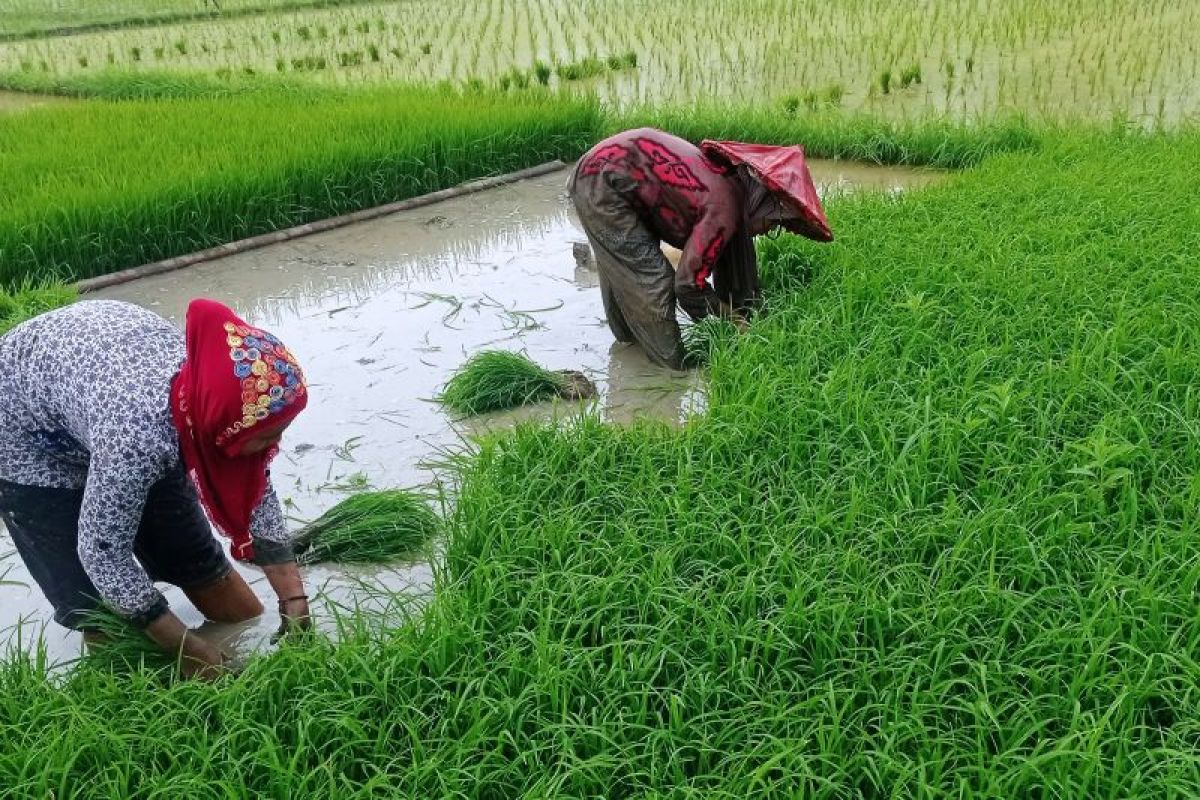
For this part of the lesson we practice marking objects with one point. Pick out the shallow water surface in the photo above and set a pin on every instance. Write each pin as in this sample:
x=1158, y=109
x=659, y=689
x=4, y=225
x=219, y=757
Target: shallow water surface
x=380, y=314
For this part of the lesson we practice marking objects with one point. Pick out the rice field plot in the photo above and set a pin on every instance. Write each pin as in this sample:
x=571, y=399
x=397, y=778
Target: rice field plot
x=31, y=17
x=965, y=58
x=212, y=169
x=936, y=536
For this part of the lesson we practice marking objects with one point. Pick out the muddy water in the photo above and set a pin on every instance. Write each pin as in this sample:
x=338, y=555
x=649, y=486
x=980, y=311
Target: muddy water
x=380, y=314
x=11, y=102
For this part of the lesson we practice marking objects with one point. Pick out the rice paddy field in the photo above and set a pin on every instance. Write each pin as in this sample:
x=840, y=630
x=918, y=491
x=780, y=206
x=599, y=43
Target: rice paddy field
x=30, y=18
x=937, y=530
x=966, y=58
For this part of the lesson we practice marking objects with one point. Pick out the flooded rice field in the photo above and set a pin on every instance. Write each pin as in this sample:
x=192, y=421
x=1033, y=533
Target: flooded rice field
x=380, y=313
x=964, y=58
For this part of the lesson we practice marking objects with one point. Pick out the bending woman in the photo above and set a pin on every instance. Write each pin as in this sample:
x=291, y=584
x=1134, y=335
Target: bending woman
x=642, y=187
x=115, y=430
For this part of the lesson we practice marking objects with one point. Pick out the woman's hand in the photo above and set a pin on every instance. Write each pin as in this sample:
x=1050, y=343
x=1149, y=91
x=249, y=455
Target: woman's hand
x=294, y=614
x=197, y=657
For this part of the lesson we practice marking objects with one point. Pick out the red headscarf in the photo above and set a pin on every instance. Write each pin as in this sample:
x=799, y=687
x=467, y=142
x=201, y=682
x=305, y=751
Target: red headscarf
x=237, y=382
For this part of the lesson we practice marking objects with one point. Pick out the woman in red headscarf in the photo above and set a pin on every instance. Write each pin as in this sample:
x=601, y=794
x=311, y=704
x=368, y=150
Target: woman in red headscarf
x=642, y=187
x=116, y=430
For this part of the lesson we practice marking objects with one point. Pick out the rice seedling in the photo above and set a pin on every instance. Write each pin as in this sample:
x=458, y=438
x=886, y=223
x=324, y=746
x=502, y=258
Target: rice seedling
x=28, y=300
x=193, y=152
x=1054, y=61
x=701, y=340
x=496, y=379
x=934, y=536
x=369, y=528
x=123, y=648
x=910, y=76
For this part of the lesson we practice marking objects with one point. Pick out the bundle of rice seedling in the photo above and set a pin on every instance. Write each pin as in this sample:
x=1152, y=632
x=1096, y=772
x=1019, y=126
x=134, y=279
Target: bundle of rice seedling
x=496, y=379
x=123, y=647
x=369, y=528
x=703, y=338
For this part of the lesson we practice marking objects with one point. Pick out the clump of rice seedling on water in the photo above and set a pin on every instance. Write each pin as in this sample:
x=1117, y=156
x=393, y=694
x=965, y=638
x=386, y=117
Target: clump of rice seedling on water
x=369, y=528
x=702, y=339
x=497, y=379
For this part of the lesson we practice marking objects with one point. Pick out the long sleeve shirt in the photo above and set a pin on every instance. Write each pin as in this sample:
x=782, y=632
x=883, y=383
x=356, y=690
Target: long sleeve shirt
x=688, y=201
x=85, y=404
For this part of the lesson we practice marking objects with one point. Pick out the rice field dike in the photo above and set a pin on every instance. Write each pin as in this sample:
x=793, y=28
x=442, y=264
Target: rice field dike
x=935, y=536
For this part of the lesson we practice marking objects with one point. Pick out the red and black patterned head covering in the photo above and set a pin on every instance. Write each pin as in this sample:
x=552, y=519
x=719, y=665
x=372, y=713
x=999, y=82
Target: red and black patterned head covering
x=784, y=173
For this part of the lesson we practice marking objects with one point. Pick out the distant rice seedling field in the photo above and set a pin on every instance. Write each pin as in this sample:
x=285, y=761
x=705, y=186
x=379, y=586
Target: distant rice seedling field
x=964, y=58
x=29, y=17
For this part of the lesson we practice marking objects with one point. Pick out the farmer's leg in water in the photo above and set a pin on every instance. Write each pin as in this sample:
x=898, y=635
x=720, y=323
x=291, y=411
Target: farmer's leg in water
x=635, y=277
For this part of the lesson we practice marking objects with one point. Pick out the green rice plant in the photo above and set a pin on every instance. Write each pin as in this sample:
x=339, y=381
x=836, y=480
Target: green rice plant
x=193, y=188
x=934, y=536
x=28, y=300
x=857, y=137
x=373, y=52
x=350, y=59
x=123, y=648
x=496, y=379
x=885, y=81
x=620, y=61
x=309, y=63
x=369, y=528
x=833, y=94
x=583, y=69
x=542, y=72
x=702, y=339
x=910, y=76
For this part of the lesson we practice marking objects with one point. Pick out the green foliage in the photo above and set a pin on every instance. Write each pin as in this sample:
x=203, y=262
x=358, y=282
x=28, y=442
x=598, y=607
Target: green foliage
x=701, y=340
x=28, y=300
x=856, y=137
x=498, y=379
x=225, y=159
x=583, y=69
x=935, y=535
x=369, y=528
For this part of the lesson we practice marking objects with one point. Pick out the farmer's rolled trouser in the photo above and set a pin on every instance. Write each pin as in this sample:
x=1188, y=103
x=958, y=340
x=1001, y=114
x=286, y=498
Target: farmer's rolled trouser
x=637, y=283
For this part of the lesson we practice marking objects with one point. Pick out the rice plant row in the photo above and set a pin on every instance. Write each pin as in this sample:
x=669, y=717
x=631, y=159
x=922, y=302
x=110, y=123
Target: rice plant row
x=964, y=58
x=109, y=186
